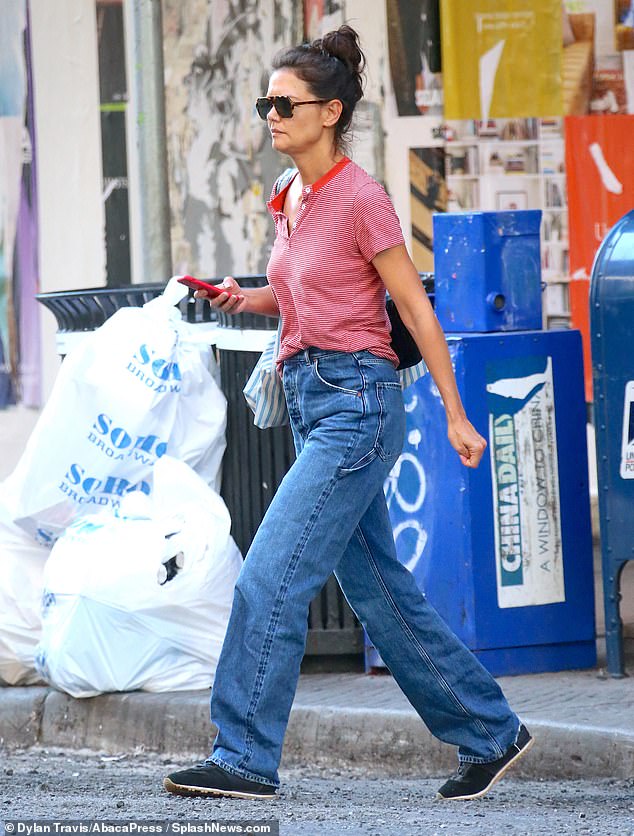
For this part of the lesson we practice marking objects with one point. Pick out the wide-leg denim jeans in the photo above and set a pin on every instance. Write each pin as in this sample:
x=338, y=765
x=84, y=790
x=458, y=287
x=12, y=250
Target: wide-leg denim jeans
x=330, y=514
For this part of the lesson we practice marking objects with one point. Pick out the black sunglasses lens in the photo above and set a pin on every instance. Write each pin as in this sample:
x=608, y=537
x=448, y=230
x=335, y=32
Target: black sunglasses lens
x=263, y=107
x=282, y=105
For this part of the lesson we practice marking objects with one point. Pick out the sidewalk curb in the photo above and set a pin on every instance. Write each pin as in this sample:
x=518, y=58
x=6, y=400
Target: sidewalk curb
x=21, y=712
x=174, y=722
x=390, y=742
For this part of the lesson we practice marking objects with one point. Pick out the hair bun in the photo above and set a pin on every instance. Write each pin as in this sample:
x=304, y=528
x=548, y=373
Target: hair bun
x=332, y=68
x=343, y=43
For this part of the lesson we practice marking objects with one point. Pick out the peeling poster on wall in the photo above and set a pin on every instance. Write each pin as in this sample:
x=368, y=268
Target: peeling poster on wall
x=428, y=194
x=413, y=29
x=223, y=166
x=501, y=58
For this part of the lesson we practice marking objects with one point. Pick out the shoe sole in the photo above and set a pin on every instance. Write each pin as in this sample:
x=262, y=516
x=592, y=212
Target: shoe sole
x=494, y=780
x=184, y=789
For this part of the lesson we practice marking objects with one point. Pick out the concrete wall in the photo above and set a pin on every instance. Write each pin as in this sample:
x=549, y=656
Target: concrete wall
x=71, y=217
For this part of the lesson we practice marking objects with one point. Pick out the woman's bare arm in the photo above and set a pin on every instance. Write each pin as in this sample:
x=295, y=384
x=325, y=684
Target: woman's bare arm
x=405, y=287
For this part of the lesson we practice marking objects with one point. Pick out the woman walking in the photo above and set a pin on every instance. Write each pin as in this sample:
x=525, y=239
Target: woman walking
x=338, y=246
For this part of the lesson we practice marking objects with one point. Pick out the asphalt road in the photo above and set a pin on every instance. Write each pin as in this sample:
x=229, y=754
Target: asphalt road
x=55, y=785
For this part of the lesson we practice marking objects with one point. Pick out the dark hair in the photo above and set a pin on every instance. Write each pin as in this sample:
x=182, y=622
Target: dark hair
x=332, y=67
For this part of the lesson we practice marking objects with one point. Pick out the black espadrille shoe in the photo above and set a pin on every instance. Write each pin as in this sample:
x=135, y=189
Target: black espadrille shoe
x=473, y=780
x=209, y=779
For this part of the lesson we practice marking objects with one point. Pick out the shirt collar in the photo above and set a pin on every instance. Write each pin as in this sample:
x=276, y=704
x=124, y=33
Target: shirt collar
x=277, y=204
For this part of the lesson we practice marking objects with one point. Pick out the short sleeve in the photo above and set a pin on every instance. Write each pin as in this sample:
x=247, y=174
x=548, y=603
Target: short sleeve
x=376, y=224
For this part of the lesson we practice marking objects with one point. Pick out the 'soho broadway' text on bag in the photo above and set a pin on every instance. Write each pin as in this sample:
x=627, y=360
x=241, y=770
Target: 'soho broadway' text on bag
x=136, y=389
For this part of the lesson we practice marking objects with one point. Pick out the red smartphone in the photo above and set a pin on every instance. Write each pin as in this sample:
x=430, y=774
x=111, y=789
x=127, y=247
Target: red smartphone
x=198, y=284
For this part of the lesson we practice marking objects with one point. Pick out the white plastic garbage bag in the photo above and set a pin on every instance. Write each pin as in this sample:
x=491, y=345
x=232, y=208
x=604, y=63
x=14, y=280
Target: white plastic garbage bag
x=134, y=390
x=21, y=579
x=141, y=600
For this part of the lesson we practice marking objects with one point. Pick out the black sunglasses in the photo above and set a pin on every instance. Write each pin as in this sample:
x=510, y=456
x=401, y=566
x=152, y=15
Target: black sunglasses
x=282, y=104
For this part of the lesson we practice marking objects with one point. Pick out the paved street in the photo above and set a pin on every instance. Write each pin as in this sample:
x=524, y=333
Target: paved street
x=314, y=802
x=583, y=723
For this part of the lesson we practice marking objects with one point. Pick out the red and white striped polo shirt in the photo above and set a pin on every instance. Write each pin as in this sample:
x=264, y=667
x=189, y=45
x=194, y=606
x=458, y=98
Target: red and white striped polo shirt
x=328, y=292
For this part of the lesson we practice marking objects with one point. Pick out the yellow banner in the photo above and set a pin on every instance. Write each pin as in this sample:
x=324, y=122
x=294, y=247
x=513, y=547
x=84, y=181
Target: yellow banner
x=501, y=58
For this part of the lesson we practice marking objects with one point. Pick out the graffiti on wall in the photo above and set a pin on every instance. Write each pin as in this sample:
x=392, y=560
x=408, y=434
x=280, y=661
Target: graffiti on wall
x=321, y=16
x=221, y=160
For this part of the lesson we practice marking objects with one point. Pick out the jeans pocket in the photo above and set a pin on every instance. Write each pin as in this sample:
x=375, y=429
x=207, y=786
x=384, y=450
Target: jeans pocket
x=382, y=430
x=336, y=378
x=391, y=420
x=359, y=463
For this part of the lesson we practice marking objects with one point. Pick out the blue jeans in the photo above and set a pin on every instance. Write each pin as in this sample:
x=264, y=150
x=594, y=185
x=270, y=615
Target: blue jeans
x=329, y=514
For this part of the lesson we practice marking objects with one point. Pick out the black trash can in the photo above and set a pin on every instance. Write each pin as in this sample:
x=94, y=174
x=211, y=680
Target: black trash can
x=78, y=311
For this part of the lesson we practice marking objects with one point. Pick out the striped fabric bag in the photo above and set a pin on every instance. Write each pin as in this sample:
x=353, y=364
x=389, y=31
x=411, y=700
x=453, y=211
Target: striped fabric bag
x=264, y=391
x=411, y=375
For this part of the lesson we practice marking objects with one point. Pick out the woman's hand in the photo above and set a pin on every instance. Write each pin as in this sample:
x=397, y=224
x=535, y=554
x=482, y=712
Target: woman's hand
x=231, y=302
x=466, y=441
x=258, y=300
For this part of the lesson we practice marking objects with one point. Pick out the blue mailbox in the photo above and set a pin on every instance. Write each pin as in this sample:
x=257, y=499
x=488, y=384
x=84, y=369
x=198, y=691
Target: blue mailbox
x=612, y=340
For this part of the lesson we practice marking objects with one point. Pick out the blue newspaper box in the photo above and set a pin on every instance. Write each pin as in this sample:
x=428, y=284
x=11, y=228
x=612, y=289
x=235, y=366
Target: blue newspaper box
x=503, y=552
x=488, y=271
